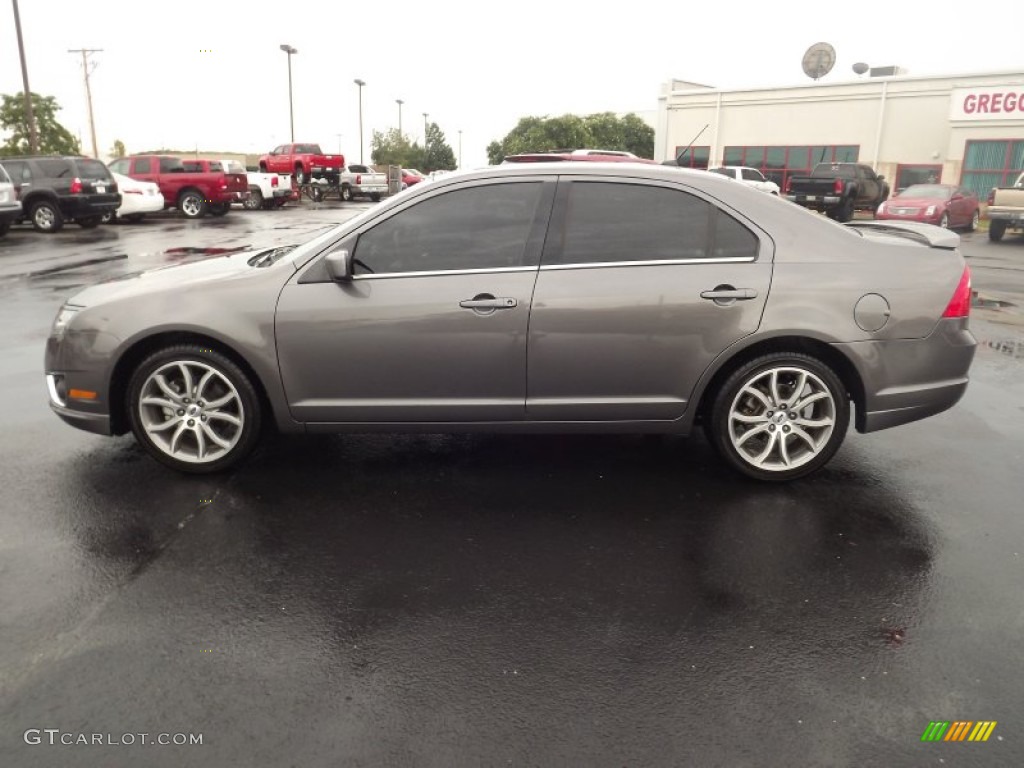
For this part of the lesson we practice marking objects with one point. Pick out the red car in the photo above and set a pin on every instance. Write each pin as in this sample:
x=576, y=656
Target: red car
x=411, y=176
x=946, y=205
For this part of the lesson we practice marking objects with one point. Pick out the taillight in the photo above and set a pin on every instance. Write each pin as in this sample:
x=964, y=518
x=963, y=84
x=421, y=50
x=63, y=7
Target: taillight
x=359, y=179
x=76, y=186
x=960, y=304
x=273, y=181
x=837, y=187
x=224, y=184
x=991, y=196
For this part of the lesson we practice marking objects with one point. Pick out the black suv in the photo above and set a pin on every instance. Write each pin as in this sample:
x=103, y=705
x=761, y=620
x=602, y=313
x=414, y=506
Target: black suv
x=56, y=189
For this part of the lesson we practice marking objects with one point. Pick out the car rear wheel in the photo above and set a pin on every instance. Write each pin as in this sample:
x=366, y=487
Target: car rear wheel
x=109, y=217
x=346, y=193
x=194, y=409
x=844, y=212
x=779, y=417
x=46, y=217
x=254, y=201
x=300, y=175
x=996, y=230
x=192, y=204
x=975, y=218
x=220, y=209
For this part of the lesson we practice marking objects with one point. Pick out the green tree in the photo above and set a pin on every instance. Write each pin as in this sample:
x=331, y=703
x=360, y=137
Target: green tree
x=439, y=156
x=118, y=149
x=392, y=148
x=602, y=130
x=54, y=138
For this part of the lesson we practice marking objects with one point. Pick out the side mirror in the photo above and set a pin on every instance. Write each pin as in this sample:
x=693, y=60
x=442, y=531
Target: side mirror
x=339, y=266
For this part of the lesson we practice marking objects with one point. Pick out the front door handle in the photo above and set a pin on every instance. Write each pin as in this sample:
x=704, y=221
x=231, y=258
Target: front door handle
x=486, y=301
x=729, y=293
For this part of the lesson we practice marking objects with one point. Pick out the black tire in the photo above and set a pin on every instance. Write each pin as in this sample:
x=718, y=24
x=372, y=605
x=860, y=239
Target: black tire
x=317, y=193
x=263, y=167
x=46, y=217
x=996, y=230
x=973, y=225
x=89, y=222
x=244, y=407
x=789, y=368
x=110, y=217
x=135, y=217
x=300, y=175
x=944, y=221
x=279, y=202
x=254, y=201
x=268, y=205
x=346, y=193
x=844, y=212
x=220, y=209
x=192, y=204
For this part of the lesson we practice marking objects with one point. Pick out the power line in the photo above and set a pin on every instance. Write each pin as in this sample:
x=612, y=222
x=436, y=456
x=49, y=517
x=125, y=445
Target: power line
x=88, y=91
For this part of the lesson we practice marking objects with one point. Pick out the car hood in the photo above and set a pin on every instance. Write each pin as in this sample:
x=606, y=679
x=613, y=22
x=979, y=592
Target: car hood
x=237, y=265
x=916, y=202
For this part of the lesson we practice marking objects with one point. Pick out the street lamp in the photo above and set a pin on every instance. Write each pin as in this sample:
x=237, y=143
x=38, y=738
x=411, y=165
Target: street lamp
x=399, y=102
x=33, y=135
x=360, y=83
x=291, y=111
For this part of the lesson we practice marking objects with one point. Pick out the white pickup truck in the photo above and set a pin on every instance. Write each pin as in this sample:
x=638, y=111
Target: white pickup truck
x=1006, y=209
x=362, y=181
x=266, y=190
x=749, y=176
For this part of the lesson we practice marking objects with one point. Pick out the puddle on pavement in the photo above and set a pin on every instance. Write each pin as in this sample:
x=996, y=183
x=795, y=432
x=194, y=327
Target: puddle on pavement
x=982, y=303
x=76, y=265
x=175, y=253
x=1011, y=347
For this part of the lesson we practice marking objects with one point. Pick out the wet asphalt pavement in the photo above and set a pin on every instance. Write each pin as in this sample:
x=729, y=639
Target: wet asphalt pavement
x=501, y=600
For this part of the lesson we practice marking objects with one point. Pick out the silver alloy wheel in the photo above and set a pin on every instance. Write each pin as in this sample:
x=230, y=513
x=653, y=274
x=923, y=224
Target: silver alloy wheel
x=191, y=411
x=974, y=221
x=44, y=217
x=781, y=418
x=191, y=205
x=944, y=221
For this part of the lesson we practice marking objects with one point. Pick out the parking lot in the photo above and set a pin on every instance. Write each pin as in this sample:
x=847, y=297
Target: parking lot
x=501, y=600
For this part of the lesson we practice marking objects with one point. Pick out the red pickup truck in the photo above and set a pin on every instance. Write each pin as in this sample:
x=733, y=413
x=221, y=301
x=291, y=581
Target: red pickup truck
x=238, y=181
x=304, y=161
x=195, y=193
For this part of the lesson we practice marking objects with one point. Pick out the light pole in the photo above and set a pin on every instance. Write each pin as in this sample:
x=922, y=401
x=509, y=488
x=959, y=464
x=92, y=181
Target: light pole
x=339, y=135
x=460, y=148
x=33, y=135
x=425, y=140
x=291, y=111
x=88, y=91
x=399, y=102
x=360, y=83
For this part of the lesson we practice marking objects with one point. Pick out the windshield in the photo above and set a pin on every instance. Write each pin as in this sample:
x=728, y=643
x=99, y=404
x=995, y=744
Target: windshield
x=929, y=191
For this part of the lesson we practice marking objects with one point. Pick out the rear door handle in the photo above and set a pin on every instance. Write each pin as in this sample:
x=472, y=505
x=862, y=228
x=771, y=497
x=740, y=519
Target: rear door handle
x=739, y=294
x=491, y=302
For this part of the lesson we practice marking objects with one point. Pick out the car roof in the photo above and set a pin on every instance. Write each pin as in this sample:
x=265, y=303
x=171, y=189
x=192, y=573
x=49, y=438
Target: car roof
x=574, y=156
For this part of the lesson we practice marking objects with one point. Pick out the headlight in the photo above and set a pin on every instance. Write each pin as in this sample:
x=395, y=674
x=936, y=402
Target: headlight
x=930, y=211
x=60, y=323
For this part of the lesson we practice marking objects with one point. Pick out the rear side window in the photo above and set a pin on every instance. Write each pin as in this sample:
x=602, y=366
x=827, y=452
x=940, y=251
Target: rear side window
x=55, y=169
x=93, y=170
x=485, y=227
x=120, y=166
x=215, y=167
x=622, y=222
x=4, y=178
x=170, y=165
x=18, y=170
x=145, y=165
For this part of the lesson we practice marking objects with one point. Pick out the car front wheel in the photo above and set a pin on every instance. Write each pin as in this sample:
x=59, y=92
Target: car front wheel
x=779, y=417
x=193, y=409
x=975, y=218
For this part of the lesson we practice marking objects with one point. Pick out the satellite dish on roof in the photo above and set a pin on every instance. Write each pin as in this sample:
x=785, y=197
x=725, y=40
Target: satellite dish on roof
x=819, y=60
x=860, y=68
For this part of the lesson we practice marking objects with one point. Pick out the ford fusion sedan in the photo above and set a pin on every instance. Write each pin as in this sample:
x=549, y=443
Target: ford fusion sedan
x=944, y=205
x=137, y=199
x=548, y=297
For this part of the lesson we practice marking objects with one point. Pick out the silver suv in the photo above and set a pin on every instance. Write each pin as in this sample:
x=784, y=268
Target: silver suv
x=572, y=297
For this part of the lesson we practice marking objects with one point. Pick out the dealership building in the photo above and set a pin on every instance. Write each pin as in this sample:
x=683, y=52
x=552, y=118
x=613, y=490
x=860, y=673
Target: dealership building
x=954, y=129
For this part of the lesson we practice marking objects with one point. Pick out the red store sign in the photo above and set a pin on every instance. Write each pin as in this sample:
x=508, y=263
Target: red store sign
x=997, y=102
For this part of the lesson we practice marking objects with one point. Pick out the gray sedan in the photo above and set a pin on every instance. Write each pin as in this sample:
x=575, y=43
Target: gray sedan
x=565, y=297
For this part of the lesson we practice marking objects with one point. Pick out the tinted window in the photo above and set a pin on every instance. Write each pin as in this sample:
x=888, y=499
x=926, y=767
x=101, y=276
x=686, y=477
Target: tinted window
x=92, y=169
x=192, y=166
x=609, y=222
x=55, y=169
x=480, y=228
x=358, y=169
x=4, y=178
x=18, y=171
x=723, y=172
x=171, y=165
x=307, y=149
x=749, y=174
x=120, y=166
x=732, y=240
x=215, y=167
x=145, y=165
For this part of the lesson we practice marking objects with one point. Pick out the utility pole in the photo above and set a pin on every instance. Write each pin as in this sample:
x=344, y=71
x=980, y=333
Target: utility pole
x=88, y=91
x=33, y=134
x=460, y=149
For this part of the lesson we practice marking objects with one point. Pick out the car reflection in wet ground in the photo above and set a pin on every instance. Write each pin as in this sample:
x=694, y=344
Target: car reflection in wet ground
x=479, y=600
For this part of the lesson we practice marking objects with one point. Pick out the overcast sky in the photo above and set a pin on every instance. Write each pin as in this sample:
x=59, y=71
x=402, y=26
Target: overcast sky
x=472, y=66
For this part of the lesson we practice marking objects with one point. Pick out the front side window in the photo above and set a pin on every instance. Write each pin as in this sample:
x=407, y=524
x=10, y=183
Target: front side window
x=749, y=174
x=483, y=227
